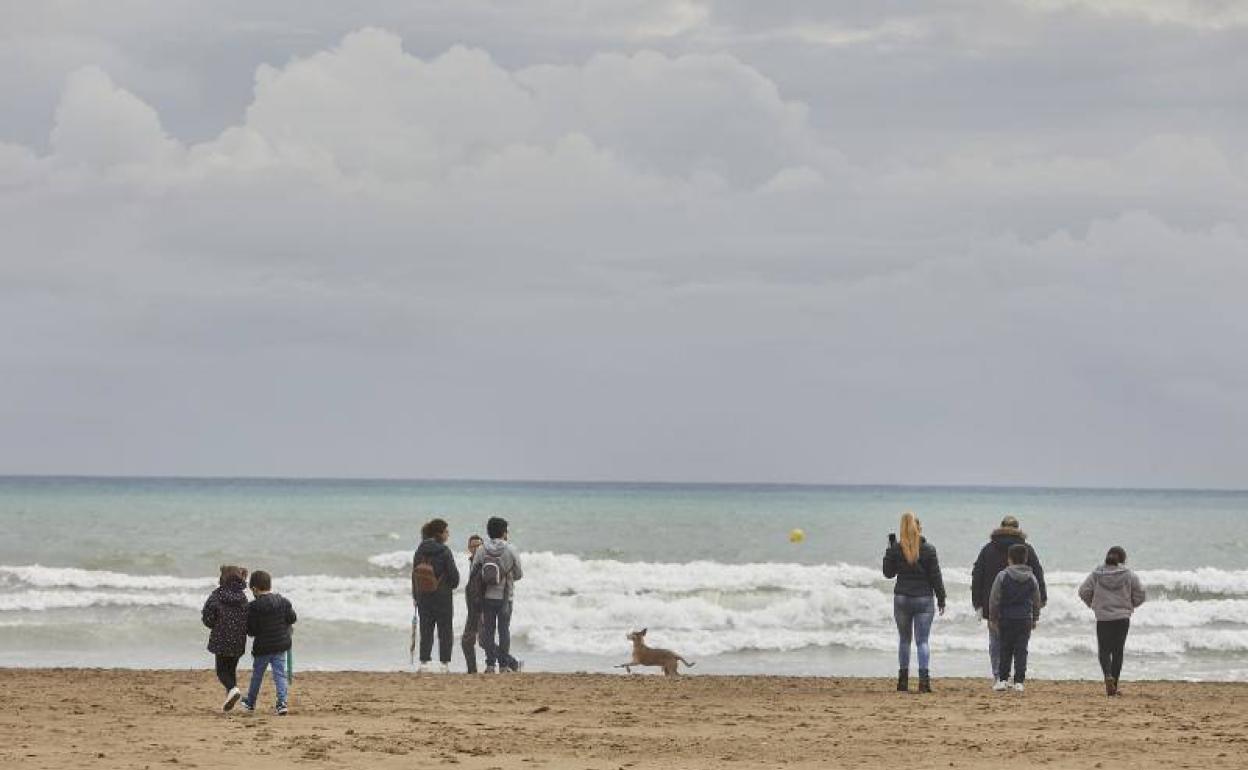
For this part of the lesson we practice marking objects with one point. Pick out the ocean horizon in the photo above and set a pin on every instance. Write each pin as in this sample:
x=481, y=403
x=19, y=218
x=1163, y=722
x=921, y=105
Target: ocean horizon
x=111, y=571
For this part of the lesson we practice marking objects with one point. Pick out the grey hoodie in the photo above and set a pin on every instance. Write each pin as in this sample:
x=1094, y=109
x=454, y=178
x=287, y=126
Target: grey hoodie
x=510, y=559
x=1113, y=593
x=1020, y=573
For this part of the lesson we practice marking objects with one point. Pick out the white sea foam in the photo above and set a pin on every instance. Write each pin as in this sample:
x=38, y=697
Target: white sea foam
x=566, y=604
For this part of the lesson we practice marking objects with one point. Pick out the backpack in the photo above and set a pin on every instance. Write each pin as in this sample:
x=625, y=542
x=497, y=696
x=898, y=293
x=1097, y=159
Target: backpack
x=426, y=580
x=492, y=572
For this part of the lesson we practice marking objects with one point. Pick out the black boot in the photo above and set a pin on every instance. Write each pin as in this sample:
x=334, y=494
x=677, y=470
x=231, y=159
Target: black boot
x=925, y=681
x=903, y=680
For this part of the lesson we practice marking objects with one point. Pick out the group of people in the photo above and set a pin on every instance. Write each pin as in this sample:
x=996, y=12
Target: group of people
x=493, y=569
x=1007, y=590
x=267, y=618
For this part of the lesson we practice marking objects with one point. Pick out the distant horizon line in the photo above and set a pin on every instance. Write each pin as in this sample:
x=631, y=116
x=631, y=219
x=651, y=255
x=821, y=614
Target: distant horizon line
x=606, y=483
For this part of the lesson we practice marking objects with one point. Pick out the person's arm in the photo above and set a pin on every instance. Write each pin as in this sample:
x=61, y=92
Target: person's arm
x=291, y=617
x=415, y=591
x=209, y=613
x=251, y=619
x=516, y=571
x=977, y=580
x=890, y=561
x=1137, y=590
x=451, y=576
x=1038, y=571
x=935, y=579
x=1088, y=589
x=1036, y=601
x=994, y=599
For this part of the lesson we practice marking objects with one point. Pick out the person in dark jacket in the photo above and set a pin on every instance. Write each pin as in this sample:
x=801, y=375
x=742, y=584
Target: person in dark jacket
x=225, y=612
x=269, y=618
x=993, y=558
x=913, y=561
x=1014, y=610
x=434, y=578
x=472, y=600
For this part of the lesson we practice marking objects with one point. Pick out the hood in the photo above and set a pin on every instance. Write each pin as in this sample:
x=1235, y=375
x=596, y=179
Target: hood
x=1019, y=572
x=495, y=547
x=232, y=593
x=268, y=601
x=1008, y=535
x=1112, y=577
x=430, y=548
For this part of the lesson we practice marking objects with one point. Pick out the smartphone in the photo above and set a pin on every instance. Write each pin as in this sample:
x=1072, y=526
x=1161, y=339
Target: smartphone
x=892, y=538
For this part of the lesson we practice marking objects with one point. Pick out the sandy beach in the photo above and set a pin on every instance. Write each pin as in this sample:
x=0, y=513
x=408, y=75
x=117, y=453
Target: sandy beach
x=149, y=719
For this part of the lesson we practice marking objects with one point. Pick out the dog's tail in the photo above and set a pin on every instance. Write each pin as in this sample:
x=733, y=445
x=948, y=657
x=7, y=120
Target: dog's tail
x=687, y=663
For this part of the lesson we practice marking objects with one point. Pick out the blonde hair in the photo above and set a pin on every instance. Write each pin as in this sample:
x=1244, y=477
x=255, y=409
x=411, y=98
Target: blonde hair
x=909, y=536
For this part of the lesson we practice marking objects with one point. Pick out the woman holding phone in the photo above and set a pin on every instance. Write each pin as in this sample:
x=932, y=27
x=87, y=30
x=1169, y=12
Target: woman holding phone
x=918, y=595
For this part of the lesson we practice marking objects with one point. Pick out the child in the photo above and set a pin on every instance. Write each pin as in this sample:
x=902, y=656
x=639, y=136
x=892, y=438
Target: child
x=225, y=612
x=1113, y=592
x=1014, y=609
x=269, y=619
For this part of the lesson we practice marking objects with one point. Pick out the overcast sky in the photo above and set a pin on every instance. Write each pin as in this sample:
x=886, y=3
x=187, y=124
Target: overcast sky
x=1000, y=242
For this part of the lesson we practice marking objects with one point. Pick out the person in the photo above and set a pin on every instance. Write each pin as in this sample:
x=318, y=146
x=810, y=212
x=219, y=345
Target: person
x=499, y=565
x=992, y=559
x=225, y=612
x=913, y=561
x=1014, y=610
x=269, y=618
x=434, y=577
x=1113, y=592
x=472, y=600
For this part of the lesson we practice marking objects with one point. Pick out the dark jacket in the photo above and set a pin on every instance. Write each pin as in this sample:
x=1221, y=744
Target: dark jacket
x=919, y=579
x=225, y=613
x=269, y=619
x=1015, y=595
x=443, y=567
x=993, y=558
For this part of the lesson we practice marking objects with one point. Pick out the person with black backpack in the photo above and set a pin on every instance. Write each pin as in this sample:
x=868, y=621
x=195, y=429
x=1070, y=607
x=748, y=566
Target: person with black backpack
x=498, y=565
x=434, y=577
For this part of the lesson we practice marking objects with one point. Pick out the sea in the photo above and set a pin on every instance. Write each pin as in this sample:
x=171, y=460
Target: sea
x=112, y=572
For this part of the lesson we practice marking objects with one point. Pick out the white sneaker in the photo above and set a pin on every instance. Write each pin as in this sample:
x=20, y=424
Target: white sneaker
x=422, y=668
x=1001, y=686
x=444, y=668
x=231, y=699
x=1018, y=687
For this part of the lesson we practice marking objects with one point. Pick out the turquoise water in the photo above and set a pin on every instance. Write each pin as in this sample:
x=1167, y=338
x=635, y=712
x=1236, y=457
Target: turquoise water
x=112, y=571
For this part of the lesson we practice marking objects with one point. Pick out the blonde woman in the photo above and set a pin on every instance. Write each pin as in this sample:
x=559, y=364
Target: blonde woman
x=912, y=560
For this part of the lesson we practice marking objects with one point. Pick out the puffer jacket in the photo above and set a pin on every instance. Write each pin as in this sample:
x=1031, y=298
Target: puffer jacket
x=1113, y=593
x=994, y=557
x=225, y=612
x=444, y=568
x=922, y=578
x=269, y=619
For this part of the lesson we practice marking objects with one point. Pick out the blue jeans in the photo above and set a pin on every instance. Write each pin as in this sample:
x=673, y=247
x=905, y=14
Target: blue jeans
x=994, y=649
x=496, y=614
x=259, y=663
x=914, y=616
x=1015, y=634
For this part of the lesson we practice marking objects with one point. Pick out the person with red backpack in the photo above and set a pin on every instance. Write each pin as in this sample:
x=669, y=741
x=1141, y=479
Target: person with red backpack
x=434, y=577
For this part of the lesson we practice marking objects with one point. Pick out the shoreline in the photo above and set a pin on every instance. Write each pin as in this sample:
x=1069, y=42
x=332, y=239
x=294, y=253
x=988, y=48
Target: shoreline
x=136, y=718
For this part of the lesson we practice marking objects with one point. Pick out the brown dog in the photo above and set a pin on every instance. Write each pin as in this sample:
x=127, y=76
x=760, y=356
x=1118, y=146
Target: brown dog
x=651, y=656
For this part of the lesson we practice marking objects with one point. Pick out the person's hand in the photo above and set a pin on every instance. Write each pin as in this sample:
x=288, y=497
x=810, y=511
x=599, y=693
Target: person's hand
x=1034, y=623
x=941, y=609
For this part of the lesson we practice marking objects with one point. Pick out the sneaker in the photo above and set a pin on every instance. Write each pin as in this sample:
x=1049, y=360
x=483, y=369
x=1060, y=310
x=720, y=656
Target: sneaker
x=1018, y=687
x=422, y=668
x=444, y=668
x=281, y=710
x=246, y=707
x=231, y=699
x=489, y=670
x=1001, y=686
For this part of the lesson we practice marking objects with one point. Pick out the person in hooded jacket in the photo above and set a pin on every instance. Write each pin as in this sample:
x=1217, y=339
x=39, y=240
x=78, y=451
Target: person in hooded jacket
x=435, y=607
x=1113, y=592
x=503, y=561
x=225, y=612
x=992, y=560
x=913, y=561
x=1014, y=611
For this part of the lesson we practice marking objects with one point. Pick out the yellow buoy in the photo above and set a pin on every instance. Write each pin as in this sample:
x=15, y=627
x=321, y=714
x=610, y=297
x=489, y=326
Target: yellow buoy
x=796, y=536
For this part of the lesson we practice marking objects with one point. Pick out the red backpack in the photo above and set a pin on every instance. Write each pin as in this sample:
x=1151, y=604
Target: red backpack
x=424, y=579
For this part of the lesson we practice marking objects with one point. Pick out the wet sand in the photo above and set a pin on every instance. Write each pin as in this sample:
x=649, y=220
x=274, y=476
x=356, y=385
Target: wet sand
x=162, y=719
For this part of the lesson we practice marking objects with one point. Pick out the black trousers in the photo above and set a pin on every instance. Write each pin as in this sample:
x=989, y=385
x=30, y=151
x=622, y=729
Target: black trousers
x=227, y=671
x=1111, y=640
x=436, y=618
x=468, y=640
x=1015, y=634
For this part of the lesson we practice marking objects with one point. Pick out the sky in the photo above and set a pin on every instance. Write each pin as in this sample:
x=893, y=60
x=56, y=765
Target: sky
x=968, y=242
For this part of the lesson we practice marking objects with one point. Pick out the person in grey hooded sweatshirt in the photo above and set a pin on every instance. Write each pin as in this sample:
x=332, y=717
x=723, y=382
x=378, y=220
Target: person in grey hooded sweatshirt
x=1113, y=592
x=1014, y=609
x=496, y=565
